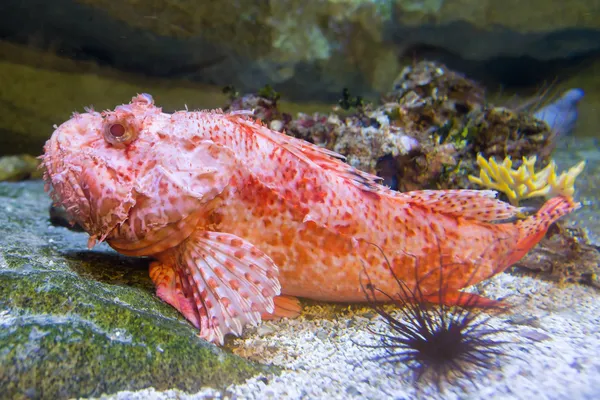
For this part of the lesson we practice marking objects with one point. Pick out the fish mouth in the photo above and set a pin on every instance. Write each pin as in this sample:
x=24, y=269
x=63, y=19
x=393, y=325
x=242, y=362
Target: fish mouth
x=92, y=194
x=83, y=180
x=62, y=184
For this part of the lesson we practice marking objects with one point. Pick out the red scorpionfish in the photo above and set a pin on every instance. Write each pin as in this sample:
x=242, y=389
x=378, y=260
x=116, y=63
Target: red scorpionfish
x=240, y=220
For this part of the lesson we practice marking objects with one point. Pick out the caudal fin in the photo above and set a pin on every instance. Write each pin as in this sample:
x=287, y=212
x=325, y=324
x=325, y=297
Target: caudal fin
x=534, y=228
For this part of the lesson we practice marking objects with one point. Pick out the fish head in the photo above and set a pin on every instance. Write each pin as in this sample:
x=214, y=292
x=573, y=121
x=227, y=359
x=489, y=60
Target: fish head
x=93, y=160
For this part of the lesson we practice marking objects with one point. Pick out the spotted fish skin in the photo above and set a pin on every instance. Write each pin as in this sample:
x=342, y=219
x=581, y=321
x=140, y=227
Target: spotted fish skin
x=240, y=219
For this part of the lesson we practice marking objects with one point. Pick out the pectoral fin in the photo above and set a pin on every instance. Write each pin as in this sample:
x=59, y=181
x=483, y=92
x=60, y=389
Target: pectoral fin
x=170, y=289
x=228, y=281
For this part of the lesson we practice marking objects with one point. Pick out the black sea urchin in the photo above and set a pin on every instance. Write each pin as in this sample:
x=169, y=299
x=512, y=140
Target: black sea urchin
x=435, y=341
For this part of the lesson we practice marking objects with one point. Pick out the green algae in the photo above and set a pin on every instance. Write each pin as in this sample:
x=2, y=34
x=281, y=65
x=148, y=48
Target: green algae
x=82, y=323
x=55, y=357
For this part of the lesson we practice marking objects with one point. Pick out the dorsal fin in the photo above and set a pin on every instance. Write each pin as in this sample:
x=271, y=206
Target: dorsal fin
x=480, y=205
x=313, y=154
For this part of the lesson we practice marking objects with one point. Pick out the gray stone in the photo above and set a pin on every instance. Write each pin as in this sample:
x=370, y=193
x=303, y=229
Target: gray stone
x=77, y=323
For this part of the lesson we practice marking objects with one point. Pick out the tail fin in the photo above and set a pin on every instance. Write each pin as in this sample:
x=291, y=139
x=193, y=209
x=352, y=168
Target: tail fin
x=534, y=228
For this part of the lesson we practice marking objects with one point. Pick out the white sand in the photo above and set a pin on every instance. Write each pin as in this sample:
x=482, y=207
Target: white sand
x=553, y=353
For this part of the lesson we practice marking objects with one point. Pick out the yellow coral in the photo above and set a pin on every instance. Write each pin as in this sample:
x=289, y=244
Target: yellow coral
x=525, y=182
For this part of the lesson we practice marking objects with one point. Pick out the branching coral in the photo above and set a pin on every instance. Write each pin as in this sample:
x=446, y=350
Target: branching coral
x=525, y=182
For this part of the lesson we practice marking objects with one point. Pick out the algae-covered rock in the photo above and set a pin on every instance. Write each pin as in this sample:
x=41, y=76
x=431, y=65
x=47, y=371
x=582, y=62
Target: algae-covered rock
x=76, y=323
x=310, y=49
x=565, y=255
x=294, y=30
x=501, y=132
x=16, y=168
x=488, y=29
x=424, y=134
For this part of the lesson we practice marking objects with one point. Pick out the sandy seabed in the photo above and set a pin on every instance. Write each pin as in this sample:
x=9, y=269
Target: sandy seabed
x=552, y=352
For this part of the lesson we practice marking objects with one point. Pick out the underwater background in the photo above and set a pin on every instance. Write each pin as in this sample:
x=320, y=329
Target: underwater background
x=412, y=91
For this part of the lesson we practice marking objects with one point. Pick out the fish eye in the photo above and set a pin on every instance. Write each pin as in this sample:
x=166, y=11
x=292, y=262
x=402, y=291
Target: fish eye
x=118, y=132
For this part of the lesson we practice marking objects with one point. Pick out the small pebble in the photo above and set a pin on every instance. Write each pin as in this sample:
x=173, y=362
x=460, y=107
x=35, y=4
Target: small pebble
x=528, y=320
x=536, y=336
x=322, y=334
x=265, y=329
x=352, y=391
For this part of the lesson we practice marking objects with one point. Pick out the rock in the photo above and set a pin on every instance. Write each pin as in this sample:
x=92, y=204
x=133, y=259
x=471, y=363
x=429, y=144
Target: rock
x=246, y=44
x=569, y=151
x=40, y=97
x=42, y=89
x=78, y=323
x=502, y=132
x=16, y=168
x=488, y=29
x=565, y=255
x=427, y=132
x=570, y=251
x=59, y=217
x=307, y=49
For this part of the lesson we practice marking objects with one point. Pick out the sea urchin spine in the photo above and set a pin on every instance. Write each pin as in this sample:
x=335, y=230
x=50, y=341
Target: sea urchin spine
x=435, y=340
